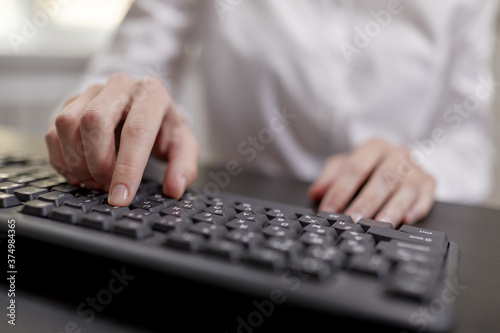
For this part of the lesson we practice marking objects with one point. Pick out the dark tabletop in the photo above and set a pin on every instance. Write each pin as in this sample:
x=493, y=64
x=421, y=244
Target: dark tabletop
x=46, y=305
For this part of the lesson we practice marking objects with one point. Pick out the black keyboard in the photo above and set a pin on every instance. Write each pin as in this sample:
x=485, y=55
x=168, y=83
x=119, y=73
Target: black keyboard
x=322, y=261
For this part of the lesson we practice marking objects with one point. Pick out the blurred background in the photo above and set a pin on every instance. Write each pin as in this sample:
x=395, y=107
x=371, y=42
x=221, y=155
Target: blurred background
x=39, y=68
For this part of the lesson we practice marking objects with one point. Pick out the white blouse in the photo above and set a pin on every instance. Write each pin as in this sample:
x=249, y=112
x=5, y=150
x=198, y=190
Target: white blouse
x=288, y=83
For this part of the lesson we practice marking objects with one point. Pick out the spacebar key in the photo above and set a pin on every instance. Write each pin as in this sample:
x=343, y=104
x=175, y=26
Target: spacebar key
x=385, y=234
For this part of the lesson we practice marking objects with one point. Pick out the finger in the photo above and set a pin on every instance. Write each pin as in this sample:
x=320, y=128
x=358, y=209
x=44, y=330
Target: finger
x=355, y=171
x=328, y=174
x=182, y=156
x=423, y=204
x=68, y=130
x=399, y=204
x=56, y=158
x=97, y=127
x=149, y=104
x=371, y=198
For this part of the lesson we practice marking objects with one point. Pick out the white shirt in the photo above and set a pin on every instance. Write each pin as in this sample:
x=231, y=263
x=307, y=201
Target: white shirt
x=339, y=72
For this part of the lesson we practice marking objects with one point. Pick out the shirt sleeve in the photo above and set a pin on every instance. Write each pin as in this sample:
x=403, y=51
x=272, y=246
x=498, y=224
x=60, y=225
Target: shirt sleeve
x=150, y=41
x=458, y=150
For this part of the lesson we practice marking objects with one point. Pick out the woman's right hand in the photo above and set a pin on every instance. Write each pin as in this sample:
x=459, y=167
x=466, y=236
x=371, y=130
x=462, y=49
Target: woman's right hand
x=81, y=142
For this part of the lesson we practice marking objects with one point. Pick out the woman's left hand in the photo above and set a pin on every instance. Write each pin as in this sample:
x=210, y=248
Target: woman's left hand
x=377, y=180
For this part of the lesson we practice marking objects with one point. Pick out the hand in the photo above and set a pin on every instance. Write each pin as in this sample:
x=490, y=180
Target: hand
x=392, y=188
x=81, y=142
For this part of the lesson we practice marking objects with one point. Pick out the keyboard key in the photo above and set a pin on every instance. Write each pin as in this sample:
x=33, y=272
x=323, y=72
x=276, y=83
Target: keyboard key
x=225, y=249
x=132, y=228
x=438, y=235
x=97, y=221
x=313, y=267
x=241, y=224
x=83, y=203
x=334, y=217
x=428, y=250
x=29, y=193
x=220, y=202
x=275, y=231
x=351, y=246
x=305, y=220
x=329, y=254
x=313, y=238
x=413, y=280
x=360, y=238
x=91, y=194
x=210, y=218
x=48, y=183
x=38, y=208
x=171, y=223
x=166, y=201
x=66, y=188
x=404, y=252
x=56, y=197
x=66, y=214
x=367, y=223
x=10, y=187
x=141, y=215
x=375, y=264
x=24, y=179
x=247, y=238
x=286, y=223
x=342, y=226
x=148, y=205
x=289, y=247
x=114, y=211
x=8, y=200
x=178, y=211
x=197, y=206
x=267, y=258
x=246, y=207
x=322, y=230
x=195, y=196
x=385, y=234
x=276, y=212
x=185, y=240
x=259, y=218
x=208, y=230
x=229, y=213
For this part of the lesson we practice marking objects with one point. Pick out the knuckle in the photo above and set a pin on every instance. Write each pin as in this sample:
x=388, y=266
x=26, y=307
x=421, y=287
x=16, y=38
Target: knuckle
x=151, y=81
x=65, y=120
x=151, y=84
x=126, y=169
x=99, y=170
x=51, y=137
x=95, y=88
x=137, y=128
x=93, y=117
x=119, y=77
x=354, y=169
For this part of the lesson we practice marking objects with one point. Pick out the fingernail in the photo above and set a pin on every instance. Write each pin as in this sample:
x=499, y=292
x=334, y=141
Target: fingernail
x=386, y=218
x=410, y=218
x=356, y=217
x=118, y=195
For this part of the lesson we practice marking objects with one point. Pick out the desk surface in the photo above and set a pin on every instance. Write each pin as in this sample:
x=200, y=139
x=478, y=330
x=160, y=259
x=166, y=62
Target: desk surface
x=43, y=308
